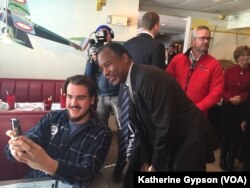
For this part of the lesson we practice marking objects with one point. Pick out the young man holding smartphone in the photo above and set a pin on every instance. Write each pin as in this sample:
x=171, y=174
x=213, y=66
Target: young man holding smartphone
x=69, y=145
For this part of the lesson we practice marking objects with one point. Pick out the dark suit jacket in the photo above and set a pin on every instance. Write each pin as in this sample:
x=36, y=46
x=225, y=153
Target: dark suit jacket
x=170, y=132
x=170, y=56
x=145, y=50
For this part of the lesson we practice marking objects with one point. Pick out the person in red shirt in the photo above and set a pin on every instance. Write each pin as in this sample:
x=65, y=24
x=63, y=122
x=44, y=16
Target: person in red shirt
x=237, y=85
x=199, y=74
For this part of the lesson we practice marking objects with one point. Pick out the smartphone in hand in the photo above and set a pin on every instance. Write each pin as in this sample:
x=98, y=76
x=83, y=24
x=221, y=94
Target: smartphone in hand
x=16, y=126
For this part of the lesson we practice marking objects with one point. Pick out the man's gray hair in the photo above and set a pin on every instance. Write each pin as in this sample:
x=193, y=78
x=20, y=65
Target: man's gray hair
x=201, y=27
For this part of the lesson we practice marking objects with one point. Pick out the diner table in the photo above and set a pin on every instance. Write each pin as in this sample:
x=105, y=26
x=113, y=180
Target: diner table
x=99, y=182
x=34, y=183
x=36, y=106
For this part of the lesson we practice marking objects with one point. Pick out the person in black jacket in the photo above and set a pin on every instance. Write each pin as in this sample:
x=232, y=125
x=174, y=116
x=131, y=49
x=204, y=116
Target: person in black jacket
x=245, y=125
x=171, y=52
x=171, y=134
x=144, y=48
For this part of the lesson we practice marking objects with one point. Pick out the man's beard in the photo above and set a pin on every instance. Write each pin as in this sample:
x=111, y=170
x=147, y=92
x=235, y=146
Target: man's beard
x=76, y=119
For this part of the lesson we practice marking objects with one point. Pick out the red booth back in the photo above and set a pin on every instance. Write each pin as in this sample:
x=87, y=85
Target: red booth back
x=31, y=90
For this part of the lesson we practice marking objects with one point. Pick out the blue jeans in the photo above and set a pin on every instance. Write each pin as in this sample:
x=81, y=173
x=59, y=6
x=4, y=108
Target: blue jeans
x=106, y=105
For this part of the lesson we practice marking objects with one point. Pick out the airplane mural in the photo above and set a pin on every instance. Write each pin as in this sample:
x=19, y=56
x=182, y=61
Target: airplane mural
x=15, y=15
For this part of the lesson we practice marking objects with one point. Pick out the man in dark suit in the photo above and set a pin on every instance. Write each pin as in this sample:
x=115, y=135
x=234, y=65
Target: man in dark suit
x=171, y=52
x=144, y=48
x=171, y=134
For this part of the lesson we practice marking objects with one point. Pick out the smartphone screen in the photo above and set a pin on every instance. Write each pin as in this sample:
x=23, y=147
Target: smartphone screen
x=16, y=126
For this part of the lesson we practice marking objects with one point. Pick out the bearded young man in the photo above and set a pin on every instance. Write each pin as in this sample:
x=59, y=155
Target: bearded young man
x=69, y=145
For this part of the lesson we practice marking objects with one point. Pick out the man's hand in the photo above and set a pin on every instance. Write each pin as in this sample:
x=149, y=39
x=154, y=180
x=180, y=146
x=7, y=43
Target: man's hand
x=26, y=151
x=15, y=149
x=147, y=168
x=144, y=167
x=151, y=169
x=235, y=100
x=243, y=125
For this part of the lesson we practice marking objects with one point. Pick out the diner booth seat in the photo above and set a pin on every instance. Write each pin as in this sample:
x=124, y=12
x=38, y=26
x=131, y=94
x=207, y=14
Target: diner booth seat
x=31, y=90
x=11, y=170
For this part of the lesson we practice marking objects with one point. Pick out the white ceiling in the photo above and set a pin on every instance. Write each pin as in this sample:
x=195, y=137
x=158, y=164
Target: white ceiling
x=209, y=6
x=176, y=25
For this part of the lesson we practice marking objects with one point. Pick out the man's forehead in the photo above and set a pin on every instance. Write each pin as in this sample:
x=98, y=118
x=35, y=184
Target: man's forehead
x=107, y=55
x=77, y=90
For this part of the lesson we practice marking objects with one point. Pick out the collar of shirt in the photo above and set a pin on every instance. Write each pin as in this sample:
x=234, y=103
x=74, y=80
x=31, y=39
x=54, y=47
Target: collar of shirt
x=128, y=82
x=192, y=57
x=148, y=33
x=75, y=128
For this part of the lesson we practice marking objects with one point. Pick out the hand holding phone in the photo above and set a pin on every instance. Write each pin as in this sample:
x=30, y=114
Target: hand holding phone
x=16, y=126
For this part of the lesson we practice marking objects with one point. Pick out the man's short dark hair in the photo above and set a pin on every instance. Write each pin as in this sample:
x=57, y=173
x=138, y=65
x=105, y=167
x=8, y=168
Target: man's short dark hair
x=172, y=45
x=149, y=19
x=117, y=48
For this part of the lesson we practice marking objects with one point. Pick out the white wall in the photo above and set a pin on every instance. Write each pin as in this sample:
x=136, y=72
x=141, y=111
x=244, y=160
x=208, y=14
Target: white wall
x=78, y=18
x=75, y=18
x=224, y=44
x=48, y=59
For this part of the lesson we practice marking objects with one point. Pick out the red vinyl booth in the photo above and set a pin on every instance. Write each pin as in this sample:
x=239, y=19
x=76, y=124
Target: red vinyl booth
x=31, y=90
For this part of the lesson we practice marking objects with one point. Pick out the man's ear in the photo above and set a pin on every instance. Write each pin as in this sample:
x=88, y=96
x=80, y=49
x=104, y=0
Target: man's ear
x=125, y=58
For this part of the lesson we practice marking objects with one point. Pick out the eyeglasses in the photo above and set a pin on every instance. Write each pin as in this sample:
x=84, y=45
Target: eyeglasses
x=204, y=38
